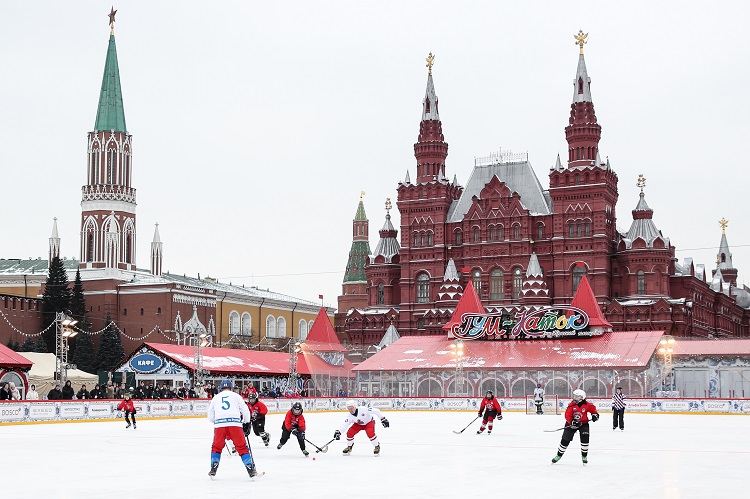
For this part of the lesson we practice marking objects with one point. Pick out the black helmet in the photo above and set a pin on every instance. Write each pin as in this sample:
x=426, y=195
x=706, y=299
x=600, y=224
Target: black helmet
x=489, y=394
x=297, y=408
x=252, y=395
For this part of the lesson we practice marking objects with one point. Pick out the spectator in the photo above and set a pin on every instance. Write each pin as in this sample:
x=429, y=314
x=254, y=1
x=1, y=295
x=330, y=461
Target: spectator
x=164, y=392
x=191, y=393
x=4, y=391
x=32, y=393
x=201, y=392
x=120, y=390
x=67, y=391
x=110, y=391
x=55, y=393
x=14, y=393
x=83, y=393
x=94, y=393
x=140, y=392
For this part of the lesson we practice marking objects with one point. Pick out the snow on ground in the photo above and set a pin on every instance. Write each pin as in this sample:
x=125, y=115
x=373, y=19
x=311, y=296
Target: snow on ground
x=658, y=455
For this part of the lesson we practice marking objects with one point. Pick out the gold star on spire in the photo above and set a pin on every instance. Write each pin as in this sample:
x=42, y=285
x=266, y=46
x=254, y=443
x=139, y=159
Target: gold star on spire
x=430, y=61
x=581, y=39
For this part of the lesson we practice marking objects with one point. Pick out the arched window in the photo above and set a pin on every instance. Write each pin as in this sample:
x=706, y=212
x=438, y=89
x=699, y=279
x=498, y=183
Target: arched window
x=128, y=247
x=571, y=229
x=500, y=233
x=429, y=239
x=90, y=247
x=423, y=288
x=540, y=231
x=641, y=282
x=381, y=293
x=302, y=329
x=458, y=237
x=476, y=234
x=416, y=239
x=270, y=326
x=424, y=239
x=578, y=274
x=281, y=327
x=517, y=282
x=580, y=85
x=421, y=193
x=476, y=280
x=578, y=179
x=491, y=233
x=496, y=285
x=516, y=232
x=587, y=226
x=234, y=323
x=246, y=325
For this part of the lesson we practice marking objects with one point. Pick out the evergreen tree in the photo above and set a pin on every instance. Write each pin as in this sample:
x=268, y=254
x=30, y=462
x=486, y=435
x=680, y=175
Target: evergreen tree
x=85, y=357
x=29, y=345
x=111, y=352
x=56, y=298
x=41, y=345
x=16, y=347
x=78, y=312
x=10, y=343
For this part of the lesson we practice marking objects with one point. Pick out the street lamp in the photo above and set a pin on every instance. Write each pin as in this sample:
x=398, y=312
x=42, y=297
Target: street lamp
x=200, y=340
x=294, y=350
x=65, y=330
x=666, y=348
x=457, y=347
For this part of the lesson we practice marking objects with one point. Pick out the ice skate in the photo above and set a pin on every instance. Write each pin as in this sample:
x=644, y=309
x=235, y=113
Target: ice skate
x=280, y=446
x=134, y=426
x=376, y=450
x=128, y=426
x=479, y=432
x=214, y=467
x=348, y=450
x=266, y=438
x=585, y=460
x=304, y=451
x=489, y=431
x=556, y=458
x=251, y=470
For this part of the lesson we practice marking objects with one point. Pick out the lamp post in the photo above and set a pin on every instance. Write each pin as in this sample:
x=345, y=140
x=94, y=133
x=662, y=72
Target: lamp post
x=457, y=347
x=65, y=331
x=294, y=350
x=200, y=340
x=666, y=347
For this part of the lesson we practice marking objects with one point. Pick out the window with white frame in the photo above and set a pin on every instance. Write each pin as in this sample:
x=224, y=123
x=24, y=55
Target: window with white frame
x=234, y=323
x=246, y=324
x=281, y=327
x=302, y=329
x=423, y=288
x=270, y=326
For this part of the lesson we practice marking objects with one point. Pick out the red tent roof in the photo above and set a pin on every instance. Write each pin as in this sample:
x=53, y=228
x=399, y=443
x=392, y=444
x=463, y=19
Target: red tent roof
x=12, y=360
x=231, y=361
x=468, y=304
x=630, y=349
x=585, y=300
x=322, y=337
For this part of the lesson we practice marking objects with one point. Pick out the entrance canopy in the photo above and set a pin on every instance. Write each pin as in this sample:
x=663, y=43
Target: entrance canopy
x=630, y=349
x=12, y=360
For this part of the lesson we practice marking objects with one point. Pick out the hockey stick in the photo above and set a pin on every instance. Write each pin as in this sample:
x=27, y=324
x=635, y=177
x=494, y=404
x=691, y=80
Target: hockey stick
x=323, y=449
x=472, y=422
x=551, y=431
x=231, y=450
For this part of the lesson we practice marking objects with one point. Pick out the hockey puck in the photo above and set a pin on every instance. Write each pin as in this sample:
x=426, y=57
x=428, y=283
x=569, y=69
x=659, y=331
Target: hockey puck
x=313, y=459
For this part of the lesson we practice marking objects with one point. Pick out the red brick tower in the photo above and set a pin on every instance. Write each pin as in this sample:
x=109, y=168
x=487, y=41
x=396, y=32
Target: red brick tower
x=108, y=235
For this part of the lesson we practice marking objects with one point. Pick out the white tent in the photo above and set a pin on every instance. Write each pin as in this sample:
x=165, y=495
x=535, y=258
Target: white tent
x=42, y=374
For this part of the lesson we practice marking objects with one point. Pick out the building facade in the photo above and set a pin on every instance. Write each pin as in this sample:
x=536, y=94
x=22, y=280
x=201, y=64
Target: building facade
x=521, y=244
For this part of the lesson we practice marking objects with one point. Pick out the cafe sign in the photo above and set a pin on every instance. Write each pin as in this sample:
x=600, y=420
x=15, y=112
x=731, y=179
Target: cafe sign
x=544, y=323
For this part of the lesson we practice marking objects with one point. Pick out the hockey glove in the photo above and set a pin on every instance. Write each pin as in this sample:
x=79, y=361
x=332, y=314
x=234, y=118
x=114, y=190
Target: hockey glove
x=480, y=414
x=337, y=435
x=385, y=422
x=595, y=417
x=254, y=416
x=246, y=428
x=500, y=417
x=575, y=425
x=295, y=431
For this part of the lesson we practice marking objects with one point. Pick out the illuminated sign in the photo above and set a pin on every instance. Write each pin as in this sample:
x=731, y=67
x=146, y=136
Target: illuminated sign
x=547, y=322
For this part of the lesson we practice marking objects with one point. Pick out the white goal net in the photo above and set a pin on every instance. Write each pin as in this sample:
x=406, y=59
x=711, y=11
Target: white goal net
x=550, y=405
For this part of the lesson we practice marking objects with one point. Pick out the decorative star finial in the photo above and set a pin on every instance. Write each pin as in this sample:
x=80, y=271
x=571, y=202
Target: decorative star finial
x=581, y=39
x=430, y=61
x=111, y=15
x=641, y=181
x=388, y=206
x=361, y=193
x=723, y=222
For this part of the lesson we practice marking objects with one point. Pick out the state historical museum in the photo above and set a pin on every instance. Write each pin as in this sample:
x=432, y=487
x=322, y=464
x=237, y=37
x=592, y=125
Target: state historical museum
x=523, y=245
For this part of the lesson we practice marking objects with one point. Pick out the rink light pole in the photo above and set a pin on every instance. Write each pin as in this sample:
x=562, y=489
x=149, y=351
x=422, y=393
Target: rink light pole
x=666, y=348
x=294, y=350
x=65, y=330
x=457, y=347
x=200, y=340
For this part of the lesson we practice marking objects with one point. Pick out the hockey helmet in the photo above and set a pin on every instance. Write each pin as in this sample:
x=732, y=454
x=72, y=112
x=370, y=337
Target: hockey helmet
x=579, y=395
x=296, y=408
x=351, y=403
x=489, y=394
x=252, y=396
x=226, y=384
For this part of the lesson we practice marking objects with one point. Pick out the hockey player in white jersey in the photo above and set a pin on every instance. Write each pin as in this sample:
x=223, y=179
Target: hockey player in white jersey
x=360, y=418
x=539, y=398
x=227, y=411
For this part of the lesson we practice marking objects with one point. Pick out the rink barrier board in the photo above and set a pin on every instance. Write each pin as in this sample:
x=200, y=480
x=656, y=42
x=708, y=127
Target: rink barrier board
x=87, y=410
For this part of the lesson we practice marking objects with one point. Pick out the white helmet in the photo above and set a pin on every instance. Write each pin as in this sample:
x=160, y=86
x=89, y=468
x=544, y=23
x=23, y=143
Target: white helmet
x=351, y=403
x=579, y=394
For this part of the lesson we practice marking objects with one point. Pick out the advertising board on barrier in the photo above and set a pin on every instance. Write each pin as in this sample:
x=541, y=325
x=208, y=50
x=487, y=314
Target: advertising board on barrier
x=284, y=405
x=100, y=410
x=12, y=412
x=675, y=405
x=717, y=405
x=322, y=404
x=181, y=408
x=514, y=404
x=72, y=410
x=141, y=408
x=455, y=403
x=638, y=405
x=42, y=410
x=417, y=404
x=199, y=407
x=382, y=404
x=272, y=405
x=160, y=409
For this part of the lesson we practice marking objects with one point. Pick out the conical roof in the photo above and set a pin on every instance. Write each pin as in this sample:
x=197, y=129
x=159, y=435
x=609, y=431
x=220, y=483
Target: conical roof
x=468, y=304
x=111, y=114
x=586, y=301
x=322, y=337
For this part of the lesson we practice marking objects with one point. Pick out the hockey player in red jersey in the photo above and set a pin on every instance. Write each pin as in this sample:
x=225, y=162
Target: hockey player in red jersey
x=360, y=418
x=491, y=409
x=257, y=423
x=129, y=408
x=294, y=424
x=577, y=417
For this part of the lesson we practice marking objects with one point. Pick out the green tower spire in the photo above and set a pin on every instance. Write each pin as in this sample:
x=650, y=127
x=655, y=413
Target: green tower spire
x=360, y=250
x=111, y=113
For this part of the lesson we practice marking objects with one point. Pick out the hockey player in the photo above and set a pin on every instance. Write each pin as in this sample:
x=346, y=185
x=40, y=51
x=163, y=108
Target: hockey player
x=539, y=398
x=491, y=408
x=257, y=423
x=226, y=411
x=360, y=418
x=294, y=424
x=577, y=419
x=129, y=408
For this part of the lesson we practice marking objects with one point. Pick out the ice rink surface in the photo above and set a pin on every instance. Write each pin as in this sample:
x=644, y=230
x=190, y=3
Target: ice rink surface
x=658, y=455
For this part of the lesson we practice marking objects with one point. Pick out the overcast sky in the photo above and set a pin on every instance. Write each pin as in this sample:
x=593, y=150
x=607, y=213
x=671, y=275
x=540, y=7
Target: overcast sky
x=256, y=124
